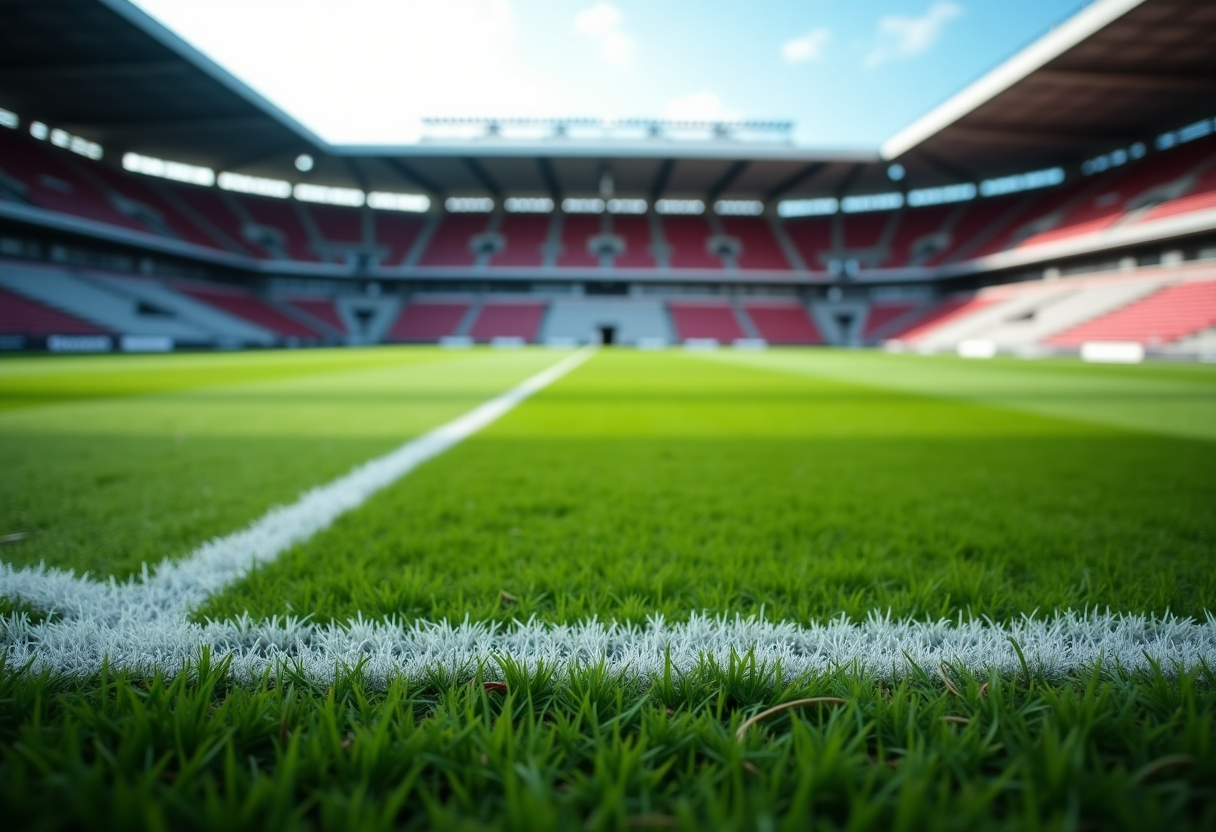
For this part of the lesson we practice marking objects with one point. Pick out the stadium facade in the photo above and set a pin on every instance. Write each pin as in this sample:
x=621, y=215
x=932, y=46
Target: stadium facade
x=150, y=200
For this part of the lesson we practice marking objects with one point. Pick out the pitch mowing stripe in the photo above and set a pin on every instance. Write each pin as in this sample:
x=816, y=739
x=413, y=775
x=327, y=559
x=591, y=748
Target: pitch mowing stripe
x=174, y=587
x=425, y=651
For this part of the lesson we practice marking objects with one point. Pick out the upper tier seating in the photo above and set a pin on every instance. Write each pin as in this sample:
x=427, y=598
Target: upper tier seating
x=242, y=304
x=50, y=181
x=337, y=225
x=524, y=236
x=213, y=208
x=322, y=310
x=452, y=243
x=21, y=316
x=784, y=324
x=279, y=215
x=144, y=192
x=759, y=248
x=971, y=229
x=428, y=320
x=577, y=229
x=915, y=224
x=635, y=232
x=1167, y=315
x=688, y=243
x=865, y=231
x=812, y=237
x=507, y=320
x=708, y=320
x=396, y=233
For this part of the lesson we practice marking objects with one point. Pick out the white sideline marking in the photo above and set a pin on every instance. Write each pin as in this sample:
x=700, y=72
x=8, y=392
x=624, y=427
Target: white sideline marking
x=177, y=586
x=884, y=647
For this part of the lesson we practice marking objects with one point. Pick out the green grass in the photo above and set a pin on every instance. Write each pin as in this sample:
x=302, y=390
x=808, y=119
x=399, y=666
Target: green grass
x=112, y=462
x=804, y=482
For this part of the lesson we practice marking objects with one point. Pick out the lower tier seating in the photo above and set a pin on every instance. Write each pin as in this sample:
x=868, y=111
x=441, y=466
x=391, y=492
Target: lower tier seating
x=243, y=304
x=22, y=316
x=507, y=320
x=703, y=320
x=1167, y=315
x=426, y=320
x=783, y=324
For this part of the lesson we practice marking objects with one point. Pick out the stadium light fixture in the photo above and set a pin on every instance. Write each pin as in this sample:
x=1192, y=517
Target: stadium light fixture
x=1186, y=134
x=1022, y=182
x=64, y=139
x=325, y=195
x=687, y=207
x=469, y=204
x=896, y=172
x=738, y=207
x=304, y=163
x=528, y=205
x=943, y=195
x=411, y=203
x=9, y=119
x=256, y=185
x=808, y=207
x=626, y=206
x=872, y=202
x=177, y=171
x=583, y=205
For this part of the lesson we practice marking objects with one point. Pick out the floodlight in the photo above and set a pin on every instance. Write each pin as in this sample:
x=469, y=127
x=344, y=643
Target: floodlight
x=325, y=195
x=177, y=171
x=808, y=207
x=304, y=163
x=690, y=207
x=942, y=195
x=872, y=202
x=39, y=130
x=896, y=172
x=1022, y=182
x=469, y=204
x=739, y=207
x=9, y=119
x=384, y=201
x=528, y=205
x=576, y=205
x=626, y=206
x=257, y=185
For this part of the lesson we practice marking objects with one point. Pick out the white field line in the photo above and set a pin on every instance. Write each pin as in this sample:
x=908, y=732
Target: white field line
x=174, y=587
x=881, y=646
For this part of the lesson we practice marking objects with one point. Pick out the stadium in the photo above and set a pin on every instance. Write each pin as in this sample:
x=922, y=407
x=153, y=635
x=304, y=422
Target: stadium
x=607, y=473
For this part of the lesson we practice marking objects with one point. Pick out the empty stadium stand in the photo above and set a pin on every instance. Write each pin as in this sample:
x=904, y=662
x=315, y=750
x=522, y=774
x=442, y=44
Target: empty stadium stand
x=688, y=241
x=881, y=317
x=22, y=316
x=395, y=235
x=634, y=232
x=705, y=320
x=321, y=310
x=507, y=319
x=577, y=230
x=758, y=248
x=524, y=237
x=425, y=320
x=786, y=323
x=452, y=244
x=243, y=304
x=1171, y=313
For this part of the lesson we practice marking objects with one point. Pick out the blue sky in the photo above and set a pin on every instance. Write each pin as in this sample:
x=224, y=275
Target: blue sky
x=849, y=74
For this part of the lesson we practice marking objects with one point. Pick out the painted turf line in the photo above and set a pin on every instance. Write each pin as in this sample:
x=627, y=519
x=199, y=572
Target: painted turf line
x=174, y=587
x=424, y=651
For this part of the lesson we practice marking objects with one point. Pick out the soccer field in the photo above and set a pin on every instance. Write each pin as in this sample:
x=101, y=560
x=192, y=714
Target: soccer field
x=409, y=587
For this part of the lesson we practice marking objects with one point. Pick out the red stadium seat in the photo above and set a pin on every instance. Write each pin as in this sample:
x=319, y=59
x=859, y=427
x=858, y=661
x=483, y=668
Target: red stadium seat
x=428, y=321
x=705, y=320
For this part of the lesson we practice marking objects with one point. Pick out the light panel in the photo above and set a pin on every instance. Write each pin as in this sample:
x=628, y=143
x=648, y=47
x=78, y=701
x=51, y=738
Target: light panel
x=325, y=195
x=257, y=185
x=410, y=203
x=177, y=171
x=469, y=204
x=686, y=207
x=808, y=207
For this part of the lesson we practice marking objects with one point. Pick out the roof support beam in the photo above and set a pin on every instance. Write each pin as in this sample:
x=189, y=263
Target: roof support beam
x=264, y=153
x=550, y=179
x=483, y=177
x=726, y=179
x=794, y=180
x=945, y=167
x=842, y=190
x=409, y=174
x=660, y=179
x=1045, y=137
x=58, y=73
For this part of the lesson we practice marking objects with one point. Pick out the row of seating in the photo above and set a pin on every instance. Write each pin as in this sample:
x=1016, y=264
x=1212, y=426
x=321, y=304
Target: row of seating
x=1166, y=184
x=1157, y=308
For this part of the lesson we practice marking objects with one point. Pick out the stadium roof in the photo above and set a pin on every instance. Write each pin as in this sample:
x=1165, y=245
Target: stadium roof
x=1119, y=71
x=1116, y=73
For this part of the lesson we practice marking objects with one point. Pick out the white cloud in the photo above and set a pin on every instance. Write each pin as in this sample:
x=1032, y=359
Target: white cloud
x=700, y=106
x=901, y=37
x=602, y=24
x=809, y=47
